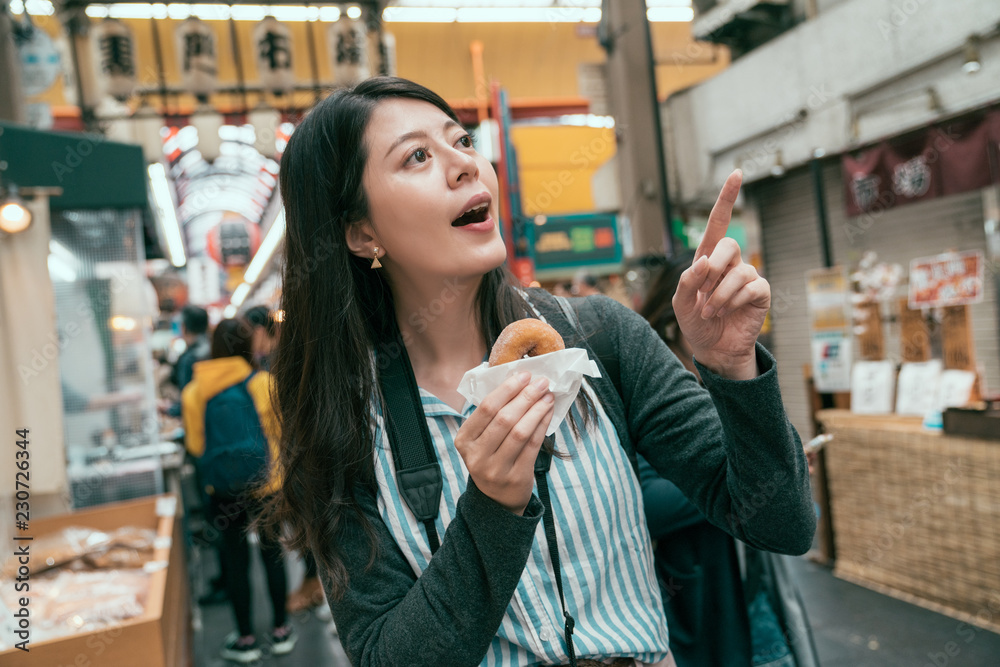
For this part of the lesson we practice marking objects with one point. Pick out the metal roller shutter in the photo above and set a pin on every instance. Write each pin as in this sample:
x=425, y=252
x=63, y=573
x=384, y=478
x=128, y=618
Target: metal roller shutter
x=791, y=247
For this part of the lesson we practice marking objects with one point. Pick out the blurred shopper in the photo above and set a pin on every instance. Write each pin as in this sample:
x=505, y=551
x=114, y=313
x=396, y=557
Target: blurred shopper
x=194, y=331
x=563, y=289
x=584, y=284
x=231, y=426
x=309, y=594
x=386, y=171
x=265, y=335
x=726, y=603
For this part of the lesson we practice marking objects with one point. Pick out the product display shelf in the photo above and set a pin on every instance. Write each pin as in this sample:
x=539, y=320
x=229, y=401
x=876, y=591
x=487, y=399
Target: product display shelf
x=160, y=636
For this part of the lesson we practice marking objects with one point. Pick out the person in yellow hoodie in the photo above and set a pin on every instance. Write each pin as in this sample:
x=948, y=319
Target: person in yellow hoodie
x=231, y=427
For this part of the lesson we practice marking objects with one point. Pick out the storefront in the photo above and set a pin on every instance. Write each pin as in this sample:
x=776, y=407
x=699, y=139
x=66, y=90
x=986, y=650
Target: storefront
x=919, y=196
x=77, y=313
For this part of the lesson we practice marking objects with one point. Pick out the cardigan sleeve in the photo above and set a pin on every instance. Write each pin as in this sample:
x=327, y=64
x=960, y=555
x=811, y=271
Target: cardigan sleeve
x=448, y=615
x=728, y=446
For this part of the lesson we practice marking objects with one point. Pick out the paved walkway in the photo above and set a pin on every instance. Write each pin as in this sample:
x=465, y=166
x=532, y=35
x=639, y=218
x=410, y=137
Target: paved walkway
x=853, y=627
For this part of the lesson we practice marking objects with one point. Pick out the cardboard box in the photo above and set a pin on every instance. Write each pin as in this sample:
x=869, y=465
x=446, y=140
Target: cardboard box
x=161, y=636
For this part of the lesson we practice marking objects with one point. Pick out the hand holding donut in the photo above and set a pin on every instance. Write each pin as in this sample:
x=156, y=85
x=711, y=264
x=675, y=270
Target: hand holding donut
x=500, y=440
x=721, y=301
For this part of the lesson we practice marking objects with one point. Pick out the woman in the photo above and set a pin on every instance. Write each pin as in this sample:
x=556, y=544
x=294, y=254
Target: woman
x=726, y=603
x=386, y=175
x=230, y=426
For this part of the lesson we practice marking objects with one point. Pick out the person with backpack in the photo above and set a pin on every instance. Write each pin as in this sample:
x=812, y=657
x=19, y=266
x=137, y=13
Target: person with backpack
x=726, y=603
x=455, y=534
x=231, y=427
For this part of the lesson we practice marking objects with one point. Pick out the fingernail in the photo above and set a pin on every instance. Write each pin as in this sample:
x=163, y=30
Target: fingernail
x=707, y=312
x=721, y=313
x=548, y=398
x=541, y=383
x=523, y=377
x=701, y=264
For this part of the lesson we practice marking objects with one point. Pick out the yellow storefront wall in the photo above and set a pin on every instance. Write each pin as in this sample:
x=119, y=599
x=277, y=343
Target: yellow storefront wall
x=557, y=164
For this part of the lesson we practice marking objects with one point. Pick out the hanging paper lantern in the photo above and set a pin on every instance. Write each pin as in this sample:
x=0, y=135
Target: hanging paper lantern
x=233, y=241
x=208, y=122
x=40, y=65
x=196, y=49
x=265, y=121
x=114, y=45
x=348, y=41
x=273, y=43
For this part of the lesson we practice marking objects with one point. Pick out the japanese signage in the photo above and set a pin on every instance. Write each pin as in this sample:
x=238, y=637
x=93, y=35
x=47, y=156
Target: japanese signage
x=828, y=294
x=273, y=41
x=576, y=241
x=941, y=161
x=951, y=279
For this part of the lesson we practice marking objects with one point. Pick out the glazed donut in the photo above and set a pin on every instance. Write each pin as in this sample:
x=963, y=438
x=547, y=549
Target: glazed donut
x=525, y=337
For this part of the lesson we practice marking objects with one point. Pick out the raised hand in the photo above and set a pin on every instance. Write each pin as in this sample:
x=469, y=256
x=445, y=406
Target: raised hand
x=500, y=440
x=721, y=301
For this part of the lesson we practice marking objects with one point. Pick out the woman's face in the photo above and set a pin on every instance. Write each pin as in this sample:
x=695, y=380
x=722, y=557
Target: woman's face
x=422, y=179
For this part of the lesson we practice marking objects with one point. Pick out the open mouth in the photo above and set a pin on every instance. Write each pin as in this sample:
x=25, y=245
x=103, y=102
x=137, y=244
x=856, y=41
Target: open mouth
x=472, y=216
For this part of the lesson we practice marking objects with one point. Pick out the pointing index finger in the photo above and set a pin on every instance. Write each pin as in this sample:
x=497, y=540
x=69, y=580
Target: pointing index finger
x=718, y=220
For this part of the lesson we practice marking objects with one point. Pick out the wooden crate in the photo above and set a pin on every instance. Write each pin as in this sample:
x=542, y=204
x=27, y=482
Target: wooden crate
x=916, y=514
x=161, y=636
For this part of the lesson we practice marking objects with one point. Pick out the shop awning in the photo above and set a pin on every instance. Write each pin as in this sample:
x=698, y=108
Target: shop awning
x=92, y=172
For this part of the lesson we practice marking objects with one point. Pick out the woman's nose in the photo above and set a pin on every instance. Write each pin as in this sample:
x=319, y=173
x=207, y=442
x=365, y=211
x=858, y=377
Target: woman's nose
x=462, y=166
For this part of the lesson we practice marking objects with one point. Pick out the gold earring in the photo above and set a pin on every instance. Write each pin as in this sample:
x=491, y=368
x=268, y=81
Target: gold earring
x=375, y=263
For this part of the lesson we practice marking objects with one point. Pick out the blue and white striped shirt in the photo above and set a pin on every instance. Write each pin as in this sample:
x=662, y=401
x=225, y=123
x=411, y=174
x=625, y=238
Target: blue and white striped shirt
x=604, y=546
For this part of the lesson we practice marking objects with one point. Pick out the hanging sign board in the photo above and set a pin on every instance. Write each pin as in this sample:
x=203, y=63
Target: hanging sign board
x=951, y=279
x=828, y=294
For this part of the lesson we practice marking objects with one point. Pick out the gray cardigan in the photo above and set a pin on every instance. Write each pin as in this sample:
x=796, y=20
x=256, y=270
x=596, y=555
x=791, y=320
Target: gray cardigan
x=729, y=448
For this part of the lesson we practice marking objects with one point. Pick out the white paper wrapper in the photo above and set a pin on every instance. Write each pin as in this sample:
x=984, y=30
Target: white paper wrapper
x=564, y=369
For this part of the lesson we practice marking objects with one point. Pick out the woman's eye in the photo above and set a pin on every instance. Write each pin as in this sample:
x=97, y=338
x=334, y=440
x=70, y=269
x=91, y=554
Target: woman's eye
x=466, y=141
x=419, y=155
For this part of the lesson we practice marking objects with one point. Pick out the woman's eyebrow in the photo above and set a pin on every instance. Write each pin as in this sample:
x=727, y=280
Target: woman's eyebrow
x=417, y=133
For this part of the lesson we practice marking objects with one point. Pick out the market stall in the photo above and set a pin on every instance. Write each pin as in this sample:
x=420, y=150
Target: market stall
x=916, y=513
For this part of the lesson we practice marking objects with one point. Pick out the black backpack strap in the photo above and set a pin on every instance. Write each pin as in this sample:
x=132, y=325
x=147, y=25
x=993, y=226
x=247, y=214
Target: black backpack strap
x=581, y=326
x=417, y=471
x=542, y=464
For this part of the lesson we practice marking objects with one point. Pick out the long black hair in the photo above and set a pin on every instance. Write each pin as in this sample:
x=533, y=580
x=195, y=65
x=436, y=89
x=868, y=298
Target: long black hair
x=658, y=309
x=338, y=320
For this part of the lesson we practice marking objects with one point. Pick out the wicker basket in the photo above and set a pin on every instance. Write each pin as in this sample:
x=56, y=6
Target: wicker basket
x=916, y=514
